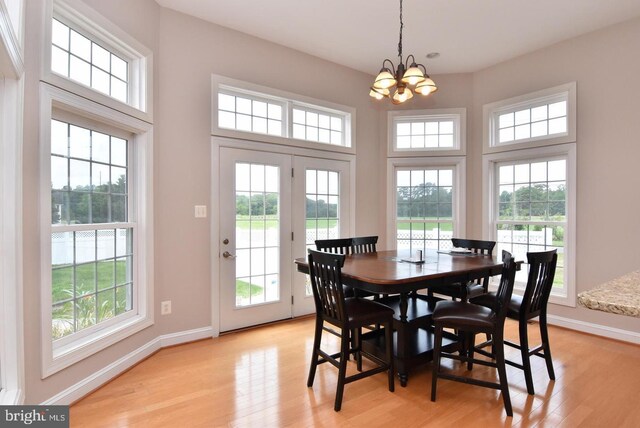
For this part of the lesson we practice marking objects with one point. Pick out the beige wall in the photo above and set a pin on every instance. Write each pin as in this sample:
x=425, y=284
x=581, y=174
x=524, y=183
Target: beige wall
x=187, y=51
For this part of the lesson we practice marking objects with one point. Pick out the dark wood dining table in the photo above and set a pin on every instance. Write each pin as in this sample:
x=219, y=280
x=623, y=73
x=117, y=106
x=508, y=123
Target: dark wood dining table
x=388, y=274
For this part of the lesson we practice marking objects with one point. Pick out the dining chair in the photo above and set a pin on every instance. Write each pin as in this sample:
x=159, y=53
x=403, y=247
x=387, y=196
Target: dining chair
x=532, y=304
x=347, y=315
x=466, y=290
x=337, y=246
x=363, y=244
x=469, y=319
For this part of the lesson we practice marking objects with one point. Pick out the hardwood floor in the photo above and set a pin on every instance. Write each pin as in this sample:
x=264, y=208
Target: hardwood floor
x=258, y=378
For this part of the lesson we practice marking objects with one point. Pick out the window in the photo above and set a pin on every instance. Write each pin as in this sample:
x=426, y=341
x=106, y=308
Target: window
x=96, y=227
x=533, y=202
x=84, y=61
x=88, y=55
x=428, y=199
x=541, y=118
x=279, y=117
x=92, y=231
x=435, y=132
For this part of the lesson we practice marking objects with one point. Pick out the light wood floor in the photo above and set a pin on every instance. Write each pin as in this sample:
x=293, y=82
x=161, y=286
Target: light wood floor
x=258, y=378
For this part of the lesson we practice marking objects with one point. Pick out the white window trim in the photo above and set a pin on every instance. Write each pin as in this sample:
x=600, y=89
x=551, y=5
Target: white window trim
x=12, y=379
x=222, y=83
x=491, y=111
x=489, y=162
x=459, y=117
x=459, y=164
x=56, y=358
x=98, y=28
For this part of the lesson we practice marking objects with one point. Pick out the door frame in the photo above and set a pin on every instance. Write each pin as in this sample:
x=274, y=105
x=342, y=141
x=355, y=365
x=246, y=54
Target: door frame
x=216, y=144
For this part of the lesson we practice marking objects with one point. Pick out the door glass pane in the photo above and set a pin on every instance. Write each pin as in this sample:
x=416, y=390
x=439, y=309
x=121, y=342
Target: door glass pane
x=257, y=230
x=322, y=208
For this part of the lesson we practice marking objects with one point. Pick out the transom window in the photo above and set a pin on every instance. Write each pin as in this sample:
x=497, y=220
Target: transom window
x=317, y=126
x=91, y=239
x=251, y=115
x=82, y=60
x=424, y=134
x=424, y=208
x=534, y=122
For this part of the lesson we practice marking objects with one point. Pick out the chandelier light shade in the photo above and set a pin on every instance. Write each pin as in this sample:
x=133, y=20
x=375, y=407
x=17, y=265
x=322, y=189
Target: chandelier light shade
x=398, y=80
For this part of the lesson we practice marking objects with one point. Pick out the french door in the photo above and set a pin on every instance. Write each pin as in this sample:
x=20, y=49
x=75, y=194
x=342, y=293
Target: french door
x=272, y=207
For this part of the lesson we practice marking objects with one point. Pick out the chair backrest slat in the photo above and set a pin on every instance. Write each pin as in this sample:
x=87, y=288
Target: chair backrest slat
x=363, y=244
x=475, y=245
x=336, y=246
x=326, y=284
x=542, y=269
x=505, y=289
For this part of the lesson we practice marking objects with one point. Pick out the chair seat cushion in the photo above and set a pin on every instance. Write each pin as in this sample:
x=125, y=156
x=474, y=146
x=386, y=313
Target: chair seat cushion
x=362, y=312
x=460, y=315
x=489, y=301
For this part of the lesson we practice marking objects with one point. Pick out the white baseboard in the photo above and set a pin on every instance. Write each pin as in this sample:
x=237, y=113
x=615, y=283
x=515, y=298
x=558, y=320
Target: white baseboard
x=85, y=386
x=597, y=329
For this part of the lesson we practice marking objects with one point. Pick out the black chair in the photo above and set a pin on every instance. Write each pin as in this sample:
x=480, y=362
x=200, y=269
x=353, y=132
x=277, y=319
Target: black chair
x=468, y=290
x=469, y=319
x=336, y=246
x=347, y=315
x=363, y=244
x=542, y=269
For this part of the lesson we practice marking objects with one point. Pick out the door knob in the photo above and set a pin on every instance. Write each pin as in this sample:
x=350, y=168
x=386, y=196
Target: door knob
x=227, y=255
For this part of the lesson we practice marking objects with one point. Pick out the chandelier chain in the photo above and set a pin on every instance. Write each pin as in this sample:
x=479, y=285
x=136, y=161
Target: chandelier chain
x=400, y=39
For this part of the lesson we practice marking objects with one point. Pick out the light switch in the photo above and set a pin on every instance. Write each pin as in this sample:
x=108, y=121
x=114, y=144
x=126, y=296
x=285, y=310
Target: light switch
x=201, y=211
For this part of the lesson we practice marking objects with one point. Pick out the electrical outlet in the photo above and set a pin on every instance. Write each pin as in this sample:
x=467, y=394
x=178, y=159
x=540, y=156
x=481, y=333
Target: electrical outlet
x=165, y=307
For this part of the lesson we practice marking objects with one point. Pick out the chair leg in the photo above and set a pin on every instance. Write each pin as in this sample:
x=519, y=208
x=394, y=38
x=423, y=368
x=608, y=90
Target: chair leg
x=317, y=338
x=388, y=337
x=498, y=346
x=342, y=370
x=357, y=345
x=544, y=335
x=471, y=343
x=436, y=361
x=524, y=351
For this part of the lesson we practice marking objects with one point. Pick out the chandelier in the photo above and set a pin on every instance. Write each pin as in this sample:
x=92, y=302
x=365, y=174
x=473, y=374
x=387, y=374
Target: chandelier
x=408, y=74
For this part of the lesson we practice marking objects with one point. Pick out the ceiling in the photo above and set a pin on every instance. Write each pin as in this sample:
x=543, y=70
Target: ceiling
x=469, y=34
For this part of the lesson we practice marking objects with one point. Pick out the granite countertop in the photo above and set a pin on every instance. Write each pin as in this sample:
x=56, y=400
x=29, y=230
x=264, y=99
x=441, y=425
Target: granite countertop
x=618, y=296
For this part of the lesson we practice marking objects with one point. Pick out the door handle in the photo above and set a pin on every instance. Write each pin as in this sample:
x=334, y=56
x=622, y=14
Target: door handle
x=228, y=255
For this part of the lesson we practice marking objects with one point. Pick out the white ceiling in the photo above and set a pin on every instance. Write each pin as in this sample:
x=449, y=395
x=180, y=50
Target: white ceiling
x=468, y=34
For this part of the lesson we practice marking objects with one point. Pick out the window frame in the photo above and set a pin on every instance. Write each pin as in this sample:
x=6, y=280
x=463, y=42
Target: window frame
x=457, y=115
x=61, y=354
x=490, y=211
x=86, y=21
x=492, y=111
x=459, y=165
x=289, y=101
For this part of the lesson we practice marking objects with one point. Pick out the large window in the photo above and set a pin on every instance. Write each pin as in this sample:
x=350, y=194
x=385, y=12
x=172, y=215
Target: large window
x=532, y=209
x=92, y=228
x=427, y=199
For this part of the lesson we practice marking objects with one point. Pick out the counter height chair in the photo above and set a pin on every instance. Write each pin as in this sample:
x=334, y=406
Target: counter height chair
x=347, y=315
x=469, y=319
x=467, y=290
x=542, y=269
x=363, y=244
x=336, y=246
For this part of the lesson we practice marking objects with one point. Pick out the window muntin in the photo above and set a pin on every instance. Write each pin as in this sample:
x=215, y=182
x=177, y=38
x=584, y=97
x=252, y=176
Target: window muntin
x=246, y=113
x=92, y=236
x=313, y=125
x=424, y=134
x=531, y=212
x=84, y=61
x=536, y=121
x=424, y=208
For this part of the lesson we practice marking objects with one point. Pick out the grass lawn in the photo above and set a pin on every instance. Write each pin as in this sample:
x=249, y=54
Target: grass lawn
x=243, y=289
x=404, y=224
x=87, y=276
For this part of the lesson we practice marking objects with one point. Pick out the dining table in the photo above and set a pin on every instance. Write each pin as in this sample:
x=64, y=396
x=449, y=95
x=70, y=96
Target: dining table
x=400, y=279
